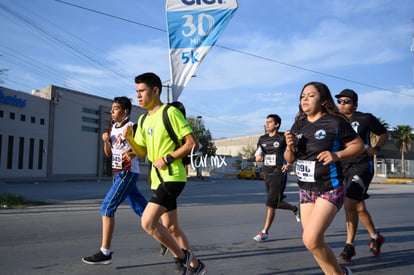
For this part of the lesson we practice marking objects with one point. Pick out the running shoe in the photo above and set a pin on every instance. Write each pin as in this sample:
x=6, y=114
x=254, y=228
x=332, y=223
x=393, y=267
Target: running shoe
x=98, y=258
x=261, y=237
x=200, y=270
x=163, y=250
x=346, y=270
x=297, y=213
x=347, y=253
x=182, y=266
x=375, y=245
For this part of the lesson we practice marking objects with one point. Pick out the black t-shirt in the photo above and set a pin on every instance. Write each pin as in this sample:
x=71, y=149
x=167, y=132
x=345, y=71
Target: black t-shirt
x=364, y=124
x=328, y=133
x=273, y=149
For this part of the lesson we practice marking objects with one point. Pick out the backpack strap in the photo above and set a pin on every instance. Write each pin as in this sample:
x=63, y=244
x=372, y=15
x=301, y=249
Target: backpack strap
x=142, y=118
x=168, y=126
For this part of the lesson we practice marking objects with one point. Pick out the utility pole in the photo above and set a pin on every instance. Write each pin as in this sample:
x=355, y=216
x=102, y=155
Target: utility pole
x=412, y=47
x=168, y=86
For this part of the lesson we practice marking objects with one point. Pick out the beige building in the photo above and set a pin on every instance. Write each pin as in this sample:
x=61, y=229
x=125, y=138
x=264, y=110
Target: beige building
x=388, y=161
x=233, y=146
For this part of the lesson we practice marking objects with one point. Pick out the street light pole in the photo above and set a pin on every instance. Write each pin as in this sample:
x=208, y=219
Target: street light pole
x=198, y=122
x=197, y=125
x=168, y=86
x=168, y=93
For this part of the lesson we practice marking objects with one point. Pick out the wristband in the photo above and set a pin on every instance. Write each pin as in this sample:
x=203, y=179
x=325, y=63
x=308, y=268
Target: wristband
x=169, y=159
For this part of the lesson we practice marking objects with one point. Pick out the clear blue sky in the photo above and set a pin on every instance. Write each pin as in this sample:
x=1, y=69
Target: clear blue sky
x=268, y=51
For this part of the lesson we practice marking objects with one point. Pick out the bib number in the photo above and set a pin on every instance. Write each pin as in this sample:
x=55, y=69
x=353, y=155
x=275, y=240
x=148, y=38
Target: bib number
x=116, y=161
x=305, y=170
x=270, y=160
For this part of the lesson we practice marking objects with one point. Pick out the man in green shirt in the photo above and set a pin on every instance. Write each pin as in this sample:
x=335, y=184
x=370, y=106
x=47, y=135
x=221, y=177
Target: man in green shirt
x=168, y=175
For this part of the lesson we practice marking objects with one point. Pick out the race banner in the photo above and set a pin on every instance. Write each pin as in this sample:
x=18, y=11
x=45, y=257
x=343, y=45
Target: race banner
x=193, y=28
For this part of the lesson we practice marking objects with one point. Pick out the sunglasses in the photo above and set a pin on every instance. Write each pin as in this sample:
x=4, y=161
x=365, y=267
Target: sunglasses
x=344, y=101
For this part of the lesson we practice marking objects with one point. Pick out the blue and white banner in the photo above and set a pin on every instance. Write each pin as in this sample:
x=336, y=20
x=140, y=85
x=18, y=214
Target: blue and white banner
x=193, y=28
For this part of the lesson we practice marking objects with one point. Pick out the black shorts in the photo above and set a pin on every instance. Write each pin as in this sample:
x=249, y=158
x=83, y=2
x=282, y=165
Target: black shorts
x=275, y=184
x=167, y=193
x=358, y=178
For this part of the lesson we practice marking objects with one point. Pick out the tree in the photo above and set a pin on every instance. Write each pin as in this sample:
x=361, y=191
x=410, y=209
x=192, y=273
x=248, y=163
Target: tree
x=403, y=137
x=203, y=136
x=248, y=153
x=2, y=72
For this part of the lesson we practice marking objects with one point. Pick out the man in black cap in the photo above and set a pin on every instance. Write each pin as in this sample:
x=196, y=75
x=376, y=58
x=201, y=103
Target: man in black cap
x=359, y=173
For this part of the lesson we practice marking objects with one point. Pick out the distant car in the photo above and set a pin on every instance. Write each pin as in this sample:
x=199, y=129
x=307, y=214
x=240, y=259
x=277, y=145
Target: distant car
x=250, y=173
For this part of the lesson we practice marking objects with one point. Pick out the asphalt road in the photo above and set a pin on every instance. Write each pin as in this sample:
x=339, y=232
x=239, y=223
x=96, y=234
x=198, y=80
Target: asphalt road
x=219, y=216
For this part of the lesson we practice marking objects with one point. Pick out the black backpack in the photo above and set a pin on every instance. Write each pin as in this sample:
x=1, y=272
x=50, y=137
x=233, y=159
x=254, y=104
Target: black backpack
x=167, y=124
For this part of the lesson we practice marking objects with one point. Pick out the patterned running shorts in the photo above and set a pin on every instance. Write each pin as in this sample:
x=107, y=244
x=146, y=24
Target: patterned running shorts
x=335, y=196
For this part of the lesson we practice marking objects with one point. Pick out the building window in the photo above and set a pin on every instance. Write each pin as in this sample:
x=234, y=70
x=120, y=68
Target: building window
x=1, y=113
x=10, y=152
x=21, y=153
x=90, y=111
x=31, y=153
x=32, y=119
x=12, y=115
x=40, y=160
x=90, y=120
x=22, y=117
x=89, y=129
x=42, y=121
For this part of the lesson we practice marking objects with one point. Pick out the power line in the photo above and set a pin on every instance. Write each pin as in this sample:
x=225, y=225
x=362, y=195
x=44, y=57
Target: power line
x=54, y=39
x=34, y=66
x=242, y=52
x=312, y=71
x=61, y=41
x=112, y=16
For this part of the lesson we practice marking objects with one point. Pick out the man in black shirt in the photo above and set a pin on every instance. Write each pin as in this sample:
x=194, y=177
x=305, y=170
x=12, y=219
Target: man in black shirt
x=270, y=149
x=359, y=173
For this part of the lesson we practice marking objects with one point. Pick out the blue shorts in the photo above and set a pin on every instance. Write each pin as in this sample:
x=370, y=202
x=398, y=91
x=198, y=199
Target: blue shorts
x=123, y=187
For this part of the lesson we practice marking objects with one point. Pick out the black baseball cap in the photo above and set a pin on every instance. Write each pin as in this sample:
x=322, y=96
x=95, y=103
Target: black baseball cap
x=348, y=93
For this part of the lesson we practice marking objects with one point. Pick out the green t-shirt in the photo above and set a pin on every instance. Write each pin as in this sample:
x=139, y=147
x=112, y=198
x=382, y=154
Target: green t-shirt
x=155, y=138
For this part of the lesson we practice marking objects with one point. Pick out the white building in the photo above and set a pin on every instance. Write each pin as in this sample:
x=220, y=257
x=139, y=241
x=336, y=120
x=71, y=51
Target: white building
x=54, y=133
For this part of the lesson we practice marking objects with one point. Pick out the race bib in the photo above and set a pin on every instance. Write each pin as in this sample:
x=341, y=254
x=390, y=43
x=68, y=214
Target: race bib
x=270, y=160
x=117, y=161
x=305, y=170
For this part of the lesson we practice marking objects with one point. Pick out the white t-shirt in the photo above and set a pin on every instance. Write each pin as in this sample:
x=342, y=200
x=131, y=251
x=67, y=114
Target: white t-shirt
x=118, y=146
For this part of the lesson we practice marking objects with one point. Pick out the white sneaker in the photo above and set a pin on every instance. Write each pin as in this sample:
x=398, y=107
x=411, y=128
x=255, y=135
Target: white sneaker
x=260, y=237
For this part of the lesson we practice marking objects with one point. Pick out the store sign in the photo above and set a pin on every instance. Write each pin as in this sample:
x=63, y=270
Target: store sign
x=12, y=100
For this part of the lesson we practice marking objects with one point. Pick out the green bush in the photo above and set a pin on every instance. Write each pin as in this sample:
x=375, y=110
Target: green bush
x=8, y=200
